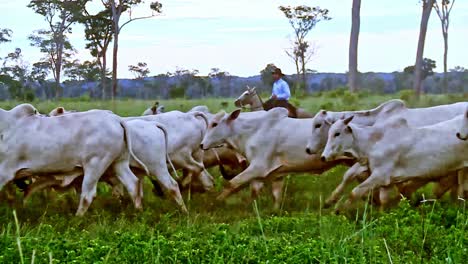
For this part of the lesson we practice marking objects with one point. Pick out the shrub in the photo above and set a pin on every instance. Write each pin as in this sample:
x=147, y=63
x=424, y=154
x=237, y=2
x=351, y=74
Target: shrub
x=327, y=105
x=349, y=98
x=407, y=95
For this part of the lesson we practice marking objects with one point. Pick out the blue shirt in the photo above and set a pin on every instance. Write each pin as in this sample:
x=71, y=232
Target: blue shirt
x=281, y=89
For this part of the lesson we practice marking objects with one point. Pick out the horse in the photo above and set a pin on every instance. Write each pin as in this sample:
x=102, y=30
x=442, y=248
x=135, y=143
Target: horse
x=252, y=99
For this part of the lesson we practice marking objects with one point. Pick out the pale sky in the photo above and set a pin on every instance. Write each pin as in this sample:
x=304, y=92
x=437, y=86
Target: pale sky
x=242, y=36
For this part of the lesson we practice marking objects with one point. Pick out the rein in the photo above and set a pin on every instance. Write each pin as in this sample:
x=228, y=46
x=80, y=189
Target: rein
x=260, y=107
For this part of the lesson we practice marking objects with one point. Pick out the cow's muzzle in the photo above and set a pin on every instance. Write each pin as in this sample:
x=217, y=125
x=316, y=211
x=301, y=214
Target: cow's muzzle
x=309, y=151
x=459, y=136
x=323, y=159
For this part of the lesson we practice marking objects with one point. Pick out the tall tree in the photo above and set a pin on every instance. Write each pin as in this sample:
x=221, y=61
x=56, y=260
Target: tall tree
x=98, y=33
x=353, y=46
x=118, y=7
x=140, y=70
x=303, y=19
x=426, y=13
x=60, y=15
x=427, y=68
x=443, y=11
x=57, y=52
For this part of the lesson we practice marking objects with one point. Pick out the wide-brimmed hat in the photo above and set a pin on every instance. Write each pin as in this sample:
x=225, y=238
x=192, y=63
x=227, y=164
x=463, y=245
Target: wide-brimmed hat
x=277, y=71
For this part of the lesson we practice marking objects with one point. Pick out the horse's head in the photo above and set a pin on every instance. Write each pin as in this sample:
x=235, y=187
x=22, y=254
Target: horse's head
x=246, y=98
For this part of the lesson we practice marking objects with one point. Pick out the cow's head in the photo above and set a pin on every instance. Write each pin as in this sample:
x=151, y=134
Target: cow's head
x=57, y=111
x=7, y=118
x=463, y=133
x=219, y=129
x=60, y=111
x=24, y=110
x=340, y=140
x=320, y=125
x=246, y=97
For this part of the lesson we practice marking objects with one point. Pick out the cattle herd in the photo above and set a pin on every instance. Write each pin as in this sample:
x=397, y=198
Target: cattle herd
x=389, y=148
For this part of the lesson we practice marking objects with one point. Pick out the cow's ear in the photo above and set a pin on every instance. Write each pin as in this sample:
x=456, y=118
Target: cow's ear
x=349, y=129
x=60, y=110
x=323, y=112
x=234, y=115
x=253, y=89
x=347, y=120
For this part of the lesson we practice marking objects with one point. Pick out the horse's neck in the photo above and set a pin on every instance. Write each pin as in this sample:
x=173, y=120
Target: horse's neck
x=257, y=103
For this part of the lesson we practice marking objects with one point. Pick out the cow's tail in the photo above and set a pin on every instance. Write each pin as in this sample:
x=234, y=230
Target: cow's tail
x=163, y=129
x=202, y=115
x=130, y=149
x=205, y=119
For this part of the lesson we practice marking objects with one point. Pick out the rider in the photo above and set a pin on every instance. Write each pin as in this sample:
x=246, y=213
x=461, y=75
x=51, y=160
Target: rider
x=280, y=87
x=280, y=94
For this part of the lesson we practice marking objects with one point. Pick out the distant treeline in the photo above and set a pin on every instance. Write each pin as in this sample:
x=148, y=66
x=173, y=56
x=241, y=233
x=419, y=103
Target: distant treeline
x=189, y=85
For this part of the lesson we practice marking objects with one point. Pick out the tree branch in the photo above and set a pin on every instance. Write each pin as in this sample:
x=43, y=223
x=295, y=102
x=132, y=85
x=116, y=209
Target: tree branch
x=133, y=19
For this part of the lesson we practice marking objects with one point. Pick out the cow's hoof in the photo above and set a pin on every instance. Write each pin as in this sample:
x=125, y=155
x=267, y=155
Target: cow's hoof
x=327, y=204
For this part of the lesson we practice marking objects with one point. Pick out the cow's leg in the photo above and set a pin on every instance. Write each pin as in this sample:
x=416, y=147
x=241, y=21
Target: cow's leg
x=129, y=180
x=277, y=192
x=40, y=184
x=249, y=174
x=203, y=176
x=407, y=189
x=384, y=196
x=348, y=177
x=169, y=185
x=206, y=180
x=93, y=170
x=462, y=178
x=255, y=189
x=374, y=181
x=444, y=184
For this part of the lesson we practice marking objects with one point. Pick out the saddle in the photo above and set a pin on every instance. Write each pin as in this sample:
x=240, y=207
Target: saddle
x=272, y=103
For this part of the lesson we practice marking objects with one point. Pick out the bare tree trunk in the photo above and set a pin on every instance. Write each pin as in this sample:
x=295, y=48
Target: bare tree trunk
x=103, y=75
x=427, y=8
x=298, y=73
x=445, y=85
x=58, y=69
x=353, y=45
x=304, y=73
x=114, y=66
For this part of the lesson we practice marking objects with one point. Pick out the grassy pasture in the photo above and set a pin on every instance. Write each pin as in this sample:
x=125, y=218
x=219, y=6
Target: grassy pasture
x=44, y=229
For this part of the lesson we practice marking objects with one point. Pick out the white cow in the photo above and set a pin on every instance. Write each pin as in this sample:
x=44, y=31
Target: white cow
x=92, y=141
x=390, y=109
x=324, y=119
x=463, y=131
x=397, y=152
x=272, y=143
x=185, y=133
x=150, y=144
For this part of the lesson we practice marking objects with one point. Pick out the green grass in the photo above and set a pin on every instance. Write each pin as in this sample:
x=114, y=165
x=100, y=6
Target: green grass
x=237, y=231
